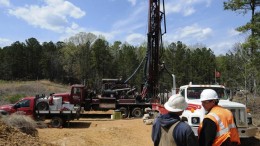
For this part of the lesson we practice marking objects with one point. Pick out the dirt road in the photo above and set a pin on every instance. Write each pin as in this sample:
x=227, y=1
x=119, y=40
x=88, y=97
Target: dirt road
x=106, y=132
x=100, y=132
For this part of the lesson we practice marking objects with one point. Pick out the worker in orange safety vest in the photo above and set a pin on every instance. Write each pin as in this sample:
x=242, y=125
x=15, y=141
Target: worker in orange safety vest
x=218, y=127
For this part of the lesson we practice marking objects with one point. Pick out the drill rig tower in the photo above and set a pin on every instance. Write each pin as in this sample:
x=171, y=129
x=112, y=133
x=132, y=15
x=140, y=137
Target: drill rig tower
x=154, y=49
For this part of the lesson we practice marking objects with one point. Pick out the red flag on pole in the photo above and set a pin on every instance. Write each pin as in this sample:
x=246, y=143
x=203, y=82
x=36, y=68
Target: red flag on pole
x=217, y=74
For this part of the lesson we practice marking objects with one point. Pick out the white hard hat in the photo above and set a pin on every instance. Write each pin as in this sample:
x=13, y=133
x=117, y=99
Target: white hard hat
x=176, y=103
x=208, y=94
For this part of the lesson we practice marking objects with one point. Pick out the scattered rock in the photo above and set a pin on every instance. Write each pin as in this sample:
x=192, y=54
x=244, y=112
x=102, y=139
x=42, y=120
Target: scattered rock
x=147, y=119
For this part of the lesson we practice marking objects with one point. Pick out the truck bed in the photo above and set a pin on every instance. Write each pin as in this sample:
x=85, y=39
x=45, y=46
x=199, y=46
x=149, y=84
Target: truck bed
x=56, y=112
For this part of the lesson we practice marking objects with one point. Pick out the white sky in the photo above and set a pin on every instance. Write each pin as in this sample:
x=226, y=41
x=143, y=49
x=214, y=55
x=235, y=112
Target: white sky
x=189, y=21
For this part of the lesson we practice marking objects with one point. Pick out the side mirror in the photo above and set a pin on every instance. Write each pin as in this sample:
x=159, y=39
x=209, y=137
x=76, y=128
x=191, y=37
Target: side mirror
x=230, y=94
x=184, y=119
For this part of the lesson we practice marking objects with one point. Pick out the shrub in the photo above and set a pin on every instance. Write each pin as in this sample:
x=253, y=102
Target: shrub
x=3, y=101
x=22, y=122
x=15, y=98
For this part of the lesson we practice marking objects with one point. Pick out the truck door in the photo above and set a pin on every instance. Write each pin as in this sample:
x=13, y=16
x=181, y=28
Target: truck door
x=24, y=107
x=76, y=95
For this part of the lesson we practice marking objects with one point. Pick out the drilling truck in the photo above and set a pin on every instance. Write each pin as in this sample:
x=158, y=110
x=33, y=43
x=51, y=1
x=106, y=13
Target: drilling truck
x=44, y=107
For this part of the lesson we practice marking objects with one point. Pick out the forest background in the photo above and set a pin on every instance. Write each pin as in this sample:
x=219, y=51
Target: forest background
x=86, y=58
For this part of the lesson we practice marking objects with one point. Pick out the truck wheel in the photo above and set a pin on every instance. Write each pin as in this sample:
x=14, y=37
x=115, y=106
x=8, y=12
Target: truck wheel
x=137, y=112
x=56, y=122
x=3, y=112
x=42, y=106
x=124, y=112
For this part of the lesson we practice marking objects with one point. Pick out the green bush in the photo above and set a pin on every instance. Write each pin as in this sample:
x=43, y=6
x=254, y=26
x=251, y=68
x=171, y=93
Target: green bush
x=15, y=98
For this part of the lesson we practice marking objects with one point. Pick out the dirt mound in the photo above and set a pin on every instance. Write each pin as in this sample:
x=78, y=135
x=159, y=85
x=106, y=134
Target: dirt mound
x=10, y=136
x=24, y=123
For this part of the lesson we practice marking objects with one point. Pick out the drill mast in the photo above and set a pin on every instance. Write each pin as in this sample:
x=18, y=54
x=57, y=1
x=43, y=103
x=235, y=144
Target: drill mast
x=154, y=44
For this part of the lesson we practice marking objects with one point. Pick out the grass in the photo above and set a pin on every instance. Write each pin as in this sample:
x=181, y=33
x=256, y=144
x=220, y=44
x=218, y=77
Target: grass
x=11, y=91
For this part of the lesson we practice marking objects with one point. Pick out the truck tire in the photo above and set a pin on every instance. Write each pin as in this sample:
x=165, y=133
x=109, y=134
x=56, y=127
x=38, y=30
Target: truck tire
x=137, y=112
x=56, y=122
x=42, y=105
x=3, y=112
x=124, y=112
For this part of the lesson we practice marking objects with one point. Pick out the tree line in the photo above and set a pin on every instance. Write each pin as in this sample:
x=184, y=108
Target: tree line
x=87, y=58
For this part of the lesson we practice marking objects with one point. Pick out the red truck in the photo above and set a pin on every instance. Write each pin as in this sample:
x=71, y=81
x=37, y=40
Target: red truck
x=114, y=94
x=41, y=108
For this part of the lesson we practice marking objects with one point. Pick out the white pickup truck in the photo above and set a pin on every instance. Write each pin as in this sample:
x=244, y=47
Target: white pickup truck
x=195, y=112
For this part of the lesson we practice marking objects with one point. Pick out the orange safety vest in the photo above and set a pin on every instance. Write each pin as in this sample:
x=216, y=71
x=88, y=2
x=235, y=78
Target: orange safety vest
x=226, y=127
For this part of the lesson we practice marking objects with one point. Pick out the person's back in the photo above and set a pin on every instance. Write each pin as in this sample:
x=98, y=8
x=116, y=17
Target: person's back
x=166, y=136
x=169, y=130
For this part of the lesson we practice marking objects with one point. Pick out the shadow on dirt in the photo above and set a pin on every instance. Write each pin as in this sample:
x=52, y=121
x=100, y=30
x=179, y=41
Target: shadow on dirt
x=98, y=116
x=94, y=119
x=77, y=125
x=252, y=141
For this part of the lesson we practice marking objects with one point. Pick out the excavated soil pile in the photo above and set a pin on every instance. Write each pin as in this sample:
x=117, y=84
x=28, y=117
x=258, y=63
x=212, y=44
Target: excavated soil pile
x=10, y=136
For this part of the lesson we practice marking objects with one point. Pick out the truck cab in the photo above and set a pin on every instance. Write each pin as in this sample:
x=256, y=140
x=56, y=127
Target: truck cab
x=195, y=112
x=25, y=105
x=76, y=95
x=40, y=108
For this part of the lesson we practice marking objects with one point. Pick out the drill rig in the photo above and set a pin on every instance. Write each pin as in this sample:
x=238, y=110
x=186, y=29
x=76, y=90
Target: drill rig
x=154, y=45
x=153, y=66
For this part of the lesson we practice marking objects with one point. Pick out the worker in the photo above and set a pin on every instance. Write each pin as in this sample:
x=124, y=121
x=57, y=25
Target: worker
x=169, y=130
x=218, y=127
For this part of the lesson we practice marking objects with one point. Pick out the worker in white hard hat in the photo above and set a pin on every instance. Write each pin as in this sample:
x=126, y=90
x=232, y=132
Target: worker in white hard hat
x=218, y=127
x=169, y=130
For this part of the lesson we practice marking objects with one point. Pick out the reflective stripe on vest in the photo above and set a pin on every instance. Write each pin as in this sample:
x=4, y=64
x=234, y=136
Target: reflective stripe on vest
x=223, y=130
x=226, y=127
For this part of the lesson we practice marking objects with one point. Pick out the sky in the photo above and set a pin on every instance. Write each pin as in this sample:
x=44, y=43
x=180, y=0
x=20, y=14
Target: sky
x=192, y=22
